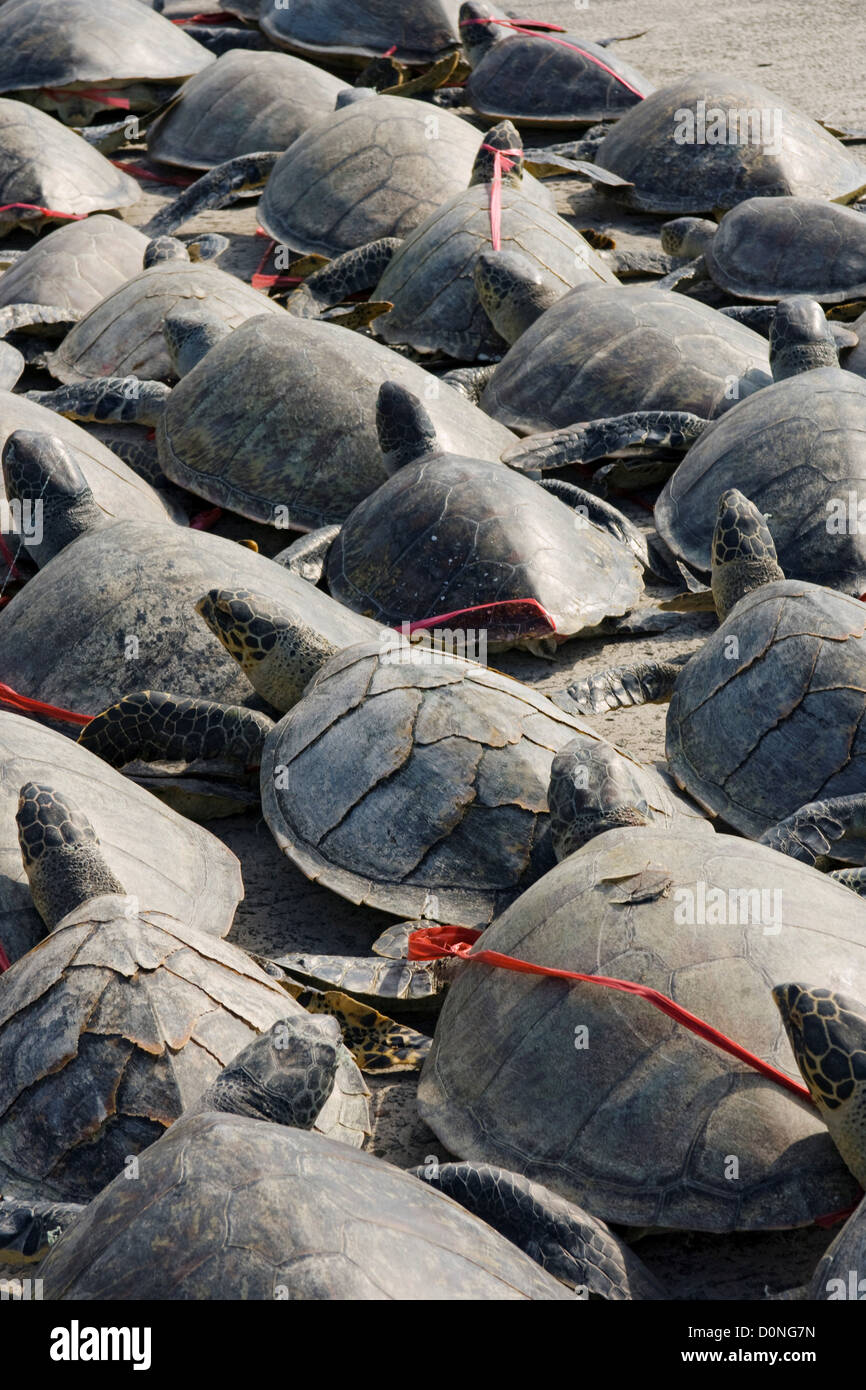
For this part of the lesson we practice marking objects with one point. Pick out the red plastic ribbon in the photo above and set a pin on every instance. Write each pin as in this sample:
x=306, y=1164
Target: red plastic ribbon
x=99, y=94
x=389, y=52
x=6, y=554
x=524, y=617
x=24, y=705
x=220, y=17
x=433, y=942
x=537, y=32
x=140, y=172
x=500, y=160
x=260, y=281
x=202, y=520
x=46, y=212
x=5, y=962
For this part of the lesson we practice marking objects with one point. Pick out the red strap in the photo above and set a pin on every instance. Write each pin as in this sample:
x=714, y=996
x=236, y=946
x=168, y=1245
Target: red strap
x=500, y=159
x=5, y=962
x=536, y=32
x=220, y=17
x=267, y=282
x=24, y=705
x=140, y=172
x=432, y=942
x=6, y=553
x=46, y=212
x=526, y=614
x=202, y=520
x=389, y=52
x=99, y=94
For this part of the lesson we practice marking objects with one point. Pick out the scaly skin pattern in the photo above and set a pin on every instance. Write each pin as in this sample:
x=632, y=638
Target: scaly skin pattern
x=279, y=653
x=743, y=556
x=156, y=726
x=61, y=853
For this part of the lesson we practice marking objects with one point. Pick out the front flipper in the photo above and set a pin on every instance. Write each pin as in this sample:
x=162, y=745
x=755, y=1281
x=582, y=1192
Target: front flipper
x=236, y=177
x=119, y=400
x=351, y=273
x=684, y=276
x=158, y=727
x=471, y=382
x=307, y=556
x=640, y=431
x=646, y=683
x=810, y=833
x=14, y=316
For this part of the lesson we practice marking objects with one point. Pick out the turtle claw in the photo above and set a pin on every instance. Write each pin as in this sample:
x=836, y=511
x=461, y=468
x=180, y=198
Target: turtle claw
x=622, y=686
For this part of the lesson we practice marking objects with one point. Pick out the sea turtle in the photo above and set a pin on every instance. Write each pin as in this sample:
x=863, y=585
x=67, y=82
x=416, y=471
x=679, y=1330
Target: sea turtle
x=48, y=173
x=542, y=78
x=356, y=30
x=448, y=532
x=76, y=265
x=173, y=866
x=598, y=1093
x=428, y=279
x=119, y=1018
x=106, y=53
x=227, y=1205
x=708, y=142
x=243, y=102
x=770, y=248
x=765, y=717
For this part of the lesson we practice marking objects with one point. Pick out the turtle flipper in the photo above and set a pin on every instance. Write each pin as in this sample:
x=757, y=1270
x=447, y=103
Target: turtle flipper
x=376, y=1042
x=62, y=858
x=15, y=316
x=354, y=271
x=236, y=177
x=646, y=683
x=308, y=556
x=12, y=364
x=810, y=833
x=29, y=1229
x=470, y=381
x=564, y=1239
x=643, y=430
x=120, y=400
x=601, y=514
x=159, y=727
x=855, y=879
x=683, y=277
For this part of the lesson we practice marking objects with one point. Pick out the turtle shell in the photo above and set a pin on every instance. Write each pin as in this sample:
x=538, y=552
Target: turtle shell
x=228, y=1207
x=172, y=865
x=282, y=414
x=768, y=714
x=664, y=146
x=553, y=80
x=363, y=29
x=120, y=1019
x=768, y=248
x=839, y=1273
x=603, y=351
x=453, y=754
x=127, y=593
x=122, y=334
x=375, y=168
x=76, y=265
x=798, y=449
x=450, y=532
x=601, y=1095
x=52, y=169
x=111, y=45
x=430, y=279
x=243, y=102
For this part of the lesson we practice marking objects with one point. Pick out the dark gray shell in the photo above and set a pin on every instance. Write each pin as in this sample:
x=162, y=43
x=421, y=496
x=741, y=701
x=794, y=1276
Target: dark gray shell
x=122, y=334
x=95, y=42
x=374, y=168
x=382, y=801
x=141, y=582
x=171, y=864
x=430, y=279
x=798, y=450
x=243, y=102
x=121, y=1019
x=759, y=727
x=539, y=81
x=450, y=532
x=693, y=176
x=76, y=265
x=43, y=163
x=641, y=1123
x=605, y=351
x=310, y=388
x=841, y=1271
x=768, y=248
x=363, y=28
x=227, y=1207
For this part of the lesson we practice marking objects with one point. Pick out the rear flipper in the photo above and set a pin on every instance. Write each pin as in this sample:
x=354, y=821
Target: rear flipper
x=811, y=832
x=234, y=179
x=351, y=273
x=645, y=683
x=308, y=556
x=120, y=400
x=644, y=431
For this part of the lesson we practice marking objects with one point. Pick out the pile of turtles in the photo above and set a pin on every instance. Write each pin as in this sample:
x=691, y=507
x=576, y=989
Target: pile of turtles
x=329, y=557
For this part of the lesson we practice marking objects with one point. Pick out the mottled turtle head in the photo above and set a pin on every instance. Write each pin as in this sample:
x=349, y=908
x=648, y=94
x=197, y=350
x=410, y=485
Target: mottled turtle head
x=801, y=339
x=349, y=95
x=476, y=31
x=206, y=246
x=164, y=248
x=513, y=291
x=827, y=1032
x=279, y=653
x=406, y=432
x=502, y=137
x=593, y=788
x=62, y=858
x=687, y=236
x=43, y=476
x=285, y=1076
x=743, y=556
x=190, y=333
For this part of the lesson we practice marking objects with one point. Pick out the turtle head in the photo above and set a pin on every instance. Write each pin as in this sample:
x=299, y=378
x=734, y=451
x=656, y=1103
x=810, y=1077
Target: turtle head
x=827, y=1033
x=279, y=653
x=743, y=556
x=593, y=787
x=688, y=237
x=513, y=291
x=501, y=138
x=189, y=335
x=43, y=475
x=62, y=858
x=406, y=432
x=285, y=1076
x=164, y=248
x=801, y=339
x=477, y=31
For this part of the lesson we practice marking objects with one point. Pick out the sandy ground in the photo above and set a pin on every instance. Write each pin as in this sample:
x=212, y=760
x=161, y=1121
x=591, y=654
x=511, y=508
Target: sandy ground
x=812, y=57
